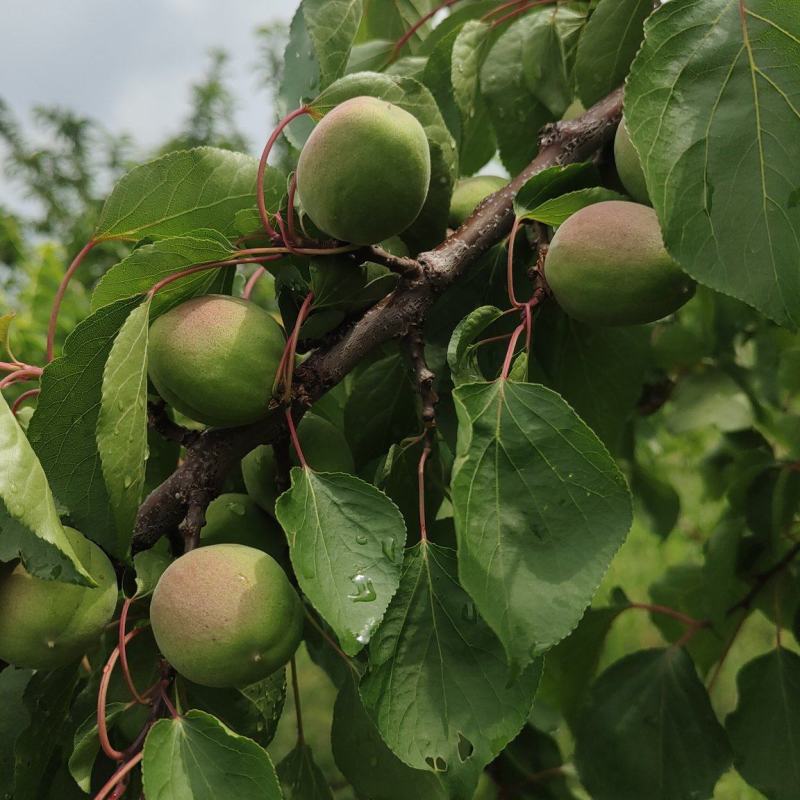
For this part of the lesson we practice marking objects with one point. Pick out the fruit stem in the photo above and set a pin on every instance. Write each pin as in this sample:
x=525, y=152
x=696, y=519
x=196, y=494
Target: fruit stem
x=123, y=653
x=295, y=439
x=403, y=40
x=118, y=776
x=102, y=692
x=59, y=297
x=426, y=449
x=297, y=710
x=262, y=167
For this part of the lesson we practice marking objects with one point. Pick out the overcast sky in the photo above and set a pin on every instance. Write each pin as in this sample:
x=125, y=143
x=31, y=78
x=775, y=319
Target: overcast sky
x=130, y=64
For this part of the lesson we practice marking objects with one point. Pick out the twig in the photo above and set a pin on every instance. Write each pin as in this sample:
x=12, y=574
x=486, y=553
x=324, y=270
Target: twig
x=402, y=265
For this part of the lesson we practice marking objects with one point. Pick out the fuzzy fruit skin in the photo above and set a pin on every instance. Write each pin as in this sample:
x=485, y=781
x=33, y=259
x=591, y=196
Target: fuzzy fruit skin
x=468, y=193
x=607, y=265
x=237, y=519
x=629, y=166
x=214, y=359
x=363, y=174
x=47, y=624
x=325, y=449
x=226, y=615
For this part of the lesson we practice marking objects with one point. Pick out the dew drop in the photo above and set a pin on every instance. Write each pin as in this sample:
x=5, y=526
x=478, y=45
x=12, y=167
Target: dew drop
x=362, y=538
x=120, y=405
x=364, y=590
x=237, y=508
x=127, y=482
x=389, y=547
x=469, y=612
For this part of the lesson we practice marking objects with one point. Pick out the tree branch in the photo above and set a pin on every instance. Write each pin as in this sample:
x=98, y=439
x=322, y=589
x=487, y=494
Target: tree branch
x=200, y=476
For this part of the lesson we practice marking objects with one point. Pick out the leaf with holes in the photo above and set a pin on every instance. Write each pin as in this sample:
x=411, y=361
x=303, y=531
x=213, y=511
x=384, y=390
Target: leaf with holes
x=713, y=108
x=438, y=687
x=765, y=727
x=540, y=510
x=122, y=422
x=346, y=542
x=195, y=757
x=626, y=742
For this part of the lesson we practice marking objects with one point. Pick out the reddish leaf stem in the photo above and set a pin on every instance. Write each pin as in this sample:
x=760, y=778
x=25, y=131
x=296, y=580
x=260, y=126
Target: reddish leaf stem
x=123, y=653
x=118, y=776
x=251, y=282
x=295, y=439
x=290, y=209
x=426, y=450
x=262, y=167
x=655, y=608
x=29, y=374
x=404, y=39
x=285, y=372
x=22, y=398
x=510, y=264
x=102, y=730
x=510, y=352
x=520, y=10
x=201, y=268
x=59, y=297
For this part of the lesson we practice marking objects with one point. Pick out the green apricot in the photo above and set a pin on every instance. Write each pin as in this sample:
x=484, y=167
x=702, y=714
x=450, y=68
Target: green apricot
x=629, y=165
x=607, y=265
x=47, y=624
x=226, y=615
x=324, y=447
x=468, y=193
x=363, y=174
x=237, y=519
x=214, y=359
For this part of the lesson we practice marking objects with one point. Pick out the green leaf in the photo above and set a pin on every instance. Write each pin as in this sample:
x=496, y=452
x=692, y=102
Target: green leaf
x=648, y=730
x=514, y=111
x=14, y=719
x=122, y=422
x=320, y=38
x=599, y=371
x=712, y=108
x=709, y=398
x=462, y=353
x=48, y=697
x=301, y=777
x=62, y=430
x=468, y=53
x=608, y=45
x=540, y=509
x=429, y=227
x=365, y=760
x=346, y=542
x=551, y=183
x=253, y=711
x=5, y=328
x=149, y=566
x=341, y=285
x=29, y=525
x=765, y=727
x=181, y=192
x=556, y=211
x=145, y=266
x=438, y=687
x=195, y=757
x=381, y=408
x=86, y=745
x=390, y=19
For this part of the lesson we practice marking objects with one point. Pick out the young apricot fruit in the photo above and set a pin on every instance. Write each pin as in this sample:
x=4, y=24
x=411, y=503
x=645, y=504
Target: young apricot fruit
x=324, y=447
x=468, y=193
x=607, y=265
x=214, y=359
x=363, y=174
x=226, y=615
x=629, y=165
x=47, y=624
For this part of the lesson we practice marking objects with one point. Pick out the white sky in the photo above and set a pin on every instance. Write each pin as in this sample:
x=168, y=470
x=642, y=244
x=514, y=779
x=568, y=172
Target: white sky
x=130, y=63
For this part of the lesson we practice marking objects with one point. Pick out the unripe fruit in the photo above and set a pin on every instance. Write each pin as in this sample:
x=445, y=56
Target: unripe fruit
x=607, y=265
x=226, y=615
x=324, y=447
x=214, y=359
x=47, y=624
x=363, y=174
x=629, y=165
x=237, y=519
x=468, y=193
